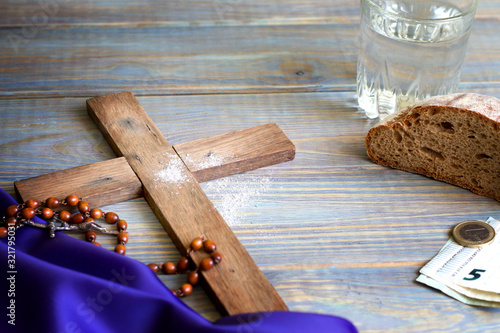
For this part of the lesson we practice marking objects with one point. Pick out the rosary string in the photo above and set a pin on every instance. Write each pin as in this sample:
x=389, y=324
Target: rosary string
x=57, y=214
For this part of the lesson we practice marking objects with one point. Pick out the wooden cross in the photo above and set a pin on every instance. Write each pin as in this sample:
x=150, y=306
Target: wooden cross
x=168, y=179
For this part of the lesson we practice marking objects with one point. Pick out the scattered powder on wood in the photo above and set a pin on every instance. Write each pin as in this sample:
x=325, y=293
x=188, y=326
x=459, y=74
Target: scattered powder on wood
x=233, y=195
x=173, y=171
x=210, y=160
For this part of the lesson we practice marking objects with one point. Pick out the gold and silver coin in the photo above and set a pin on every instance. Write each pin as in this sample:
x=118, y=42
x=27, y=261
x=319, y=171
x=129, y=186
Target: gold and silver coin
x=473, y=233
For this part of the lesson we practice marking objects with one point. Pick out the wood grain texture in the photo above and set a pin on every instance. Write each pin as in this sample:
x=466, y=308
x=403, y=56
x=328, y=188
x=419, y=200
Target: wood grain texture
x=181, y=13
x=176, y=13
x=235, y=152
x=237, y=285
x=204, y=60
x=333, y=232
x=100, y=184
x=210, y=58
x=112, y=181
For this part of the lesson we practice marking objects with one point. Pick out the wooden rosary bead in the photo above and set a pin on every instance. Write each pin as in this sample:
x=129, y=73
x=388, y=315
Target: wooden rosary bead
x=65, y=215
x=196, y=243
x=72, y=200
x=154, y=267
x=216, y=257
x=169, y=268
x=111, y=217
x=28, y=213
x=47, y=213
x=209, y=246
x=52, y=202
x=185, y=290
x=120, y=249
x=11, y=211
x=122, y=238
x=121, y=225
x=95, y=213
x=193, y=278
x=30, y=209
x=32, y=203
x=183, y=264
x=90, y=236
x=11, y=221
x=83, y=207
x=206, y=264
x=77, y=218
x=86, y=214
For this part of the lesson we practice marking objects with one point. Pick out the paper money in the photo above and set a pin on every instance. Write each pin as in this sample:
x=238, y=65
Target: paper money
x=470, y=275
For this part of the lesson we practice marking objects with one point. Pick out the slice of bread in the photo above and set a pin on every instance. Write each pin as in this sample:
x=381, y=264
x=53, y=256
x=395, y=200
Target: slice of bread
x=453, y=138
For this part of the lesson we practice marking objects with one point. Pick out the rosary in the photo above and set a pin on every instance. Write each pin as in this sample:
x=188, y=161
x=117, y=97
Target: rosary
x=84, y=220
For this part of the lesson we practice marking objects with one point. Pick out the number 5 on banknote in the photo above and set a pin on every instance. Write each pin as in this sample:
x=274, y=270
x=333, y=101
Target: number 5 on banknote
x=475, y=274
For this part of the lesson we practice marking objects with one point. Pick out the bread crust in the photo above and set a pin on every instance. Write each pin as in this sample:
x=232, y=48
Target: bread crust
x=453, y=138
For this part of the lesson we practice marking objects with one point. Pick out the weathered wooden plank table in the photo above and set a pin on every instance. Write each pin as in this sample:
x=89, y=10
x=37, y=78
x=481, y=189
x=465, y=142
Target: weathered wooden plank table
x=333, y=232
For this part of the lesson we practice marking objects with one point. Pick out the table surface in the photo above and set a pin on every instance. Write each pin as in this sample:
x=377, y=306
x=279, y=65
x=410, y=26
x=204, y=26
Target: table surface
x=332, y=231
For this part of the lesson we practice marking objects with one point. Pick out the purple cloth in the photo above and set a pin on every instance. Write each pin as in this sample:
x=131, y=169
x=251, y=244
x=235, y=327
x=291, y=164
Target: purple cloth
x=68, y=285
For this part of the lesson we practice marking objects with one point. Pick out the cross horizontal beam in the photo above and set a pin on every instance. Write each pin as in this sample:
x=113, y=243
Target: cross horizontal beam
x=112, y=181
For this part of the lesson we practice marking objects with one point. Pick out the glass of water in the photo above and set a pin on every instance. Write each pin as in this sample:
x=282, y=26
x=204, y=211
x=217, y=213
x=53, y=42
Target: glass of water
x=410, y=50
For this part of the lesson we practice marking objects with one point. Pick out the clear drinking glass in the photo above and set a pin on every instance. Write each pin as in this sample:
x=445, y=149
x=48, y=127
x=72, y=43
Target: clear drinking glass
x=410, y=50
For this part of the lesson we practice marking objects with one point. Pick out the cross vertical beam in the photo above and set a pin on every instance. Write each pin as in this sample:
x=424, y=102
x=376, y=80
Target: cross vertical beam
x=236, y=285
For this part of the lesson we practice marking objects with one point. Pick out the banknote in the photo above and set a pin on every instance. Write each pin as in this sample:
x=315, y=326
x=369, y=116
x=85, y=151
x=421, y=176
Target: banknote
x=467, y=274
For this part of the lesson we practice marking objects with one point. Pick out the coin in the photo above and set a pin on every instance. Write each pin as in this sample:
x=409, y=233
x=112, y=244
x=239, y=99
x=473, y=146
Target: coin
x=473, y=233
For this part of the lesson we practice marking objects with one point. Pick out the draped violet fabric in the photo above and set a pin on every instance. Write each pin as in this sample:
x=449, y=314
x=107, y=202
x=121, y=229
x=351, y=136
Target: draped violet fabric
x=68, y=285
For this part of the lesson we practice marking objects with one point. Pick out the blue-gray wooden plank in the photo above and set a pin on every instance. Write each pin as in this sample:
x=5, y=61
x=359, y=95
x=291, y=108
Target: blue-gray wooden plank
x=332, y=231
